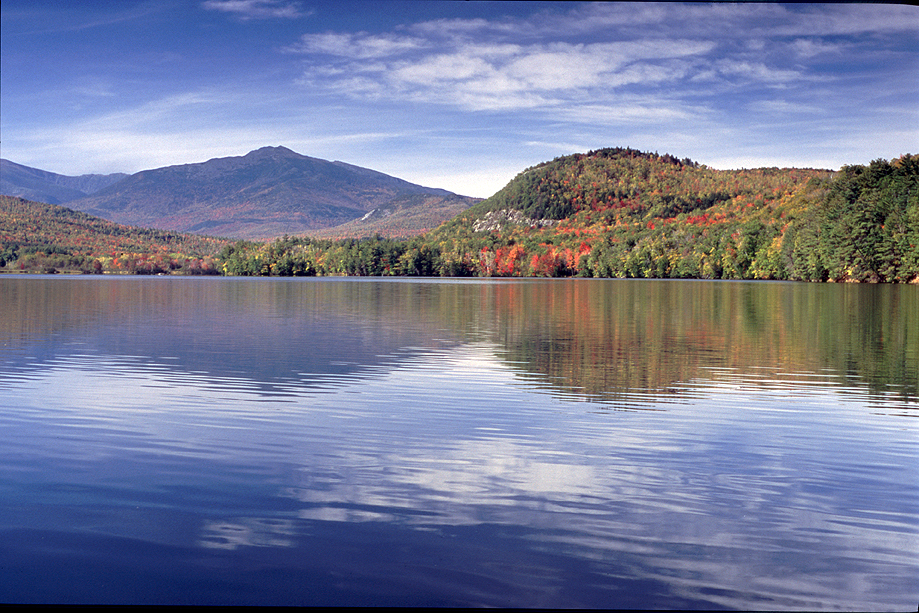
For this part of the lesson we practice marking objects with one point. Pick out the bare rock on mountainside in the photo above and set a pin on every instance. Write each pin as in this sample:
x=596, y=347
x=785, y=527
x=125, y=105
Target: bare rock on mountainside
x=404, y=217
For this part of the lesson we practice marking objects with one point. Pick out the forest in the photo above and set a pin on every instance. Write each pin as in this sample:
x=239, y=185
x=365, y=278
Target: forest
x=627, y=214
x=45, y=238
x=607, y=213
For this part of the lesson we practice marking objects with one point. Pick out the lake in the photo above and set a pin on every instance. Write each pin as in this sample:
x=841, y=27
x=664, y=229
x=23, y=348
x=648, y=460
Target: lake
x=444, y=442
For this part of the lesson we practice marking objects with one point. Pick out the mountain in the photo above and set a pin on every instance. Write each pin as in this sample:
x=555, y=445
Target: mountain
x=267, y=193
x=44, y=186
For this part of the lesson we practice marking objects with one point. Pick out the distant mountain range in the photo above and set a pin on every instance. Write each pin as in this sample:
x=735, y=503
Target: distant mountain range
x=267, y=193
x=49, y=187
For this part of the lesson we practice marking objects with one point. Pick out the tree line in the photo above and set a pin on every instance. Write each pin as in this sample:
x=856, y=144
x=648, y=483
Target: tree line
x=624, y=214
x=45, y=238
x=607, y=213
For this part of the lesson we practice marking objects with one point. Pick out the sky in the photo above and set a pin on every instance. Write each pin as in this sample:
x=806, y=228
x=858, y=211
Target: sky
x=456, y=95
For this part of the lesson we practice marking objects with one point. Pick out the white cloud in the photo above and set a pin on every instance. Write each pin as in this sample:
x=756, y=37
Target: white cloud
x=784, y=107
x=160, y=132
x=633, y=110
x=488, y=75
x=258, y=9
x=443, y=68
x=461, y=97
x=847, y=19
x=808, y=47
x=459, y=31
x=590, y=55
x=757, y=71
x=740, y=21
x=359, y=45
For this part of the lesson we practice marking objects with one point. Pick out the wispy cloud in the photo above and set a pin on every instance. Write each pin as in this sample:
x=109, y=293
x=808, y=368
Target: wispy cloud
x=93, y=88
x=461, y=103
x=76, y=18
x=357, y=46
x=783, y=107
x=739, y=20
x=486, y=74
x=590, y=53
x=258, y=9
x=757, y=72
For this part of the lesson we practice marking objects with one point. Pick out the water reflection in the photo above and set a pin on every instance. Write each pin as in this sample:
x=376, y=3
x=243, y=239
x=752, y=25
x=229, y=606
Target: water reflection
x=606, y=339
x=248, y=532
x=592, y=444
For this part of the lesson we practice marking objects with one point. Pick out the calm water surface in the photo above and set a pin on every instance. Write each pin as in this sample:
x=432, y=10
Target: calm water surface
x=572, y=443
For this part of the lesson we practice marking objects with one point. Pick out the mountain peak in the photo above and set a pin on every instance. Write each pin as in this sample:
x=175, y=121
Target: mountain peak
x=270, y=152
x=270, y=191
x=272, y=149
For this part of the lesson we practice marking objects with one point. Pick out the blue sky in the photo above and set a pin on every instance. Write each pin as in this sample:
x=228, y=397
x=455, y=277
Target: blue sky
x=458, y=95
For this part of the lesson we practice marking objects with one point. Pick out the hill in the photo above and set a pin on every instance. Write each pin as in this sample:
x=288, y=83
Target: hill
x=44, y=186
x=267, y=193
x=625, y=213
x=41, y=237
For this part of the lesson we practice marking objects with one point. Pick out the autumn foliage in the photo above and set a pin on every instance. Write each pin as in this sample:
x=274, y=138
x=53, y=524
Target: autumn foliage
x=39, y=237
x=608, y=213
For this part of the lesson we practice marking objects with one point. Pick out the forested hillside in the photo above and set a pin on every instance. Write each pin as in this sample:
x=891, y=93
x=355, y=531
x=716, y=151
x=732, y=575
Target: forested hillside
x=39, y=237
x=608, y=213
x=624, y=213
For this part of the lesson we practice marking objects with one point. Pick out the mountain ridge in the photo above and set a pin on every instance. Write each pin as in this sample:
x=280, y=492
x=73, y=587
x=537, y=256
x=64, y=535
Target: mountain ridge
x=266, y=193
x=50, y=187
